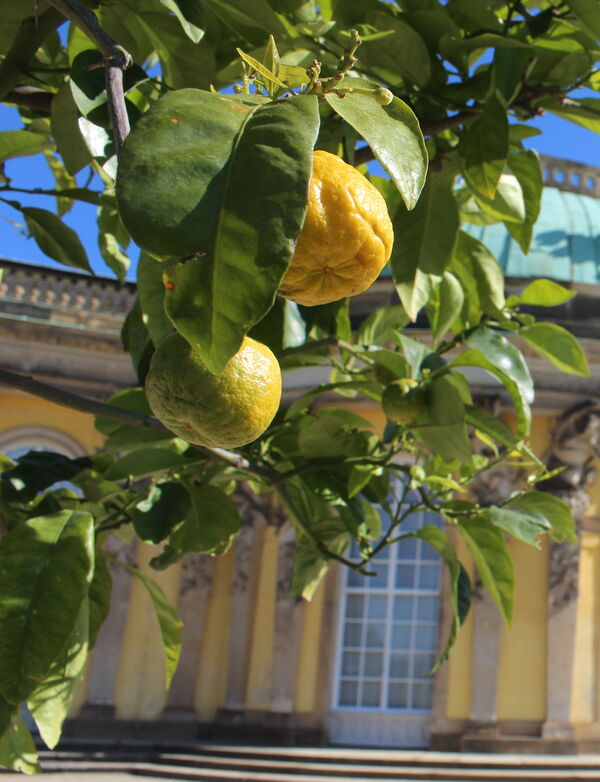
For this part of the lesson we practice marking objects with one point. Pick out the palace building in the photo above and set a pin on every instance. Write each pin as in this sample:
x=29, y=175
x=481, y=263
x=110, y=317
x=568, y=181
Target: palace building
x=351, y=666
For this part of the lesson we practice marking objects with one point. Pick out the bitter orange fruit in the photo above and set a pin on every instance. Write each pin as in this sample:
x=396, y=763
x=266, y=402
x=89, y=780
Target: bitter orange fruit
x=346, y=238
x=223, y=410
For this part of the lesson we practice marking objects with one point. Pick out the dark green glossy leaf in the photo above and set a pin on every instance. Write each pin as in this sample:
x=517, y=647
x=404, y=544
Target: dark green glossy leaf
x=500, y=351
x=190, y=14
x=237, y=200
x=36, y=471
x=99, y=596
x=46, y=565
x=151, y=292
x=49, y=703
x=210, y=523
x=394, y=135
x=398, y=57
x=282, y=327
x=484, y=147
x=146, y=461
x=446, y=432
x=155, y=516
x=424, y=243
x=545, y=293
x=587, y=13
x=381, y=324
x=492, y=559
x=481, y=277
x=558, y=346
x=108, y=242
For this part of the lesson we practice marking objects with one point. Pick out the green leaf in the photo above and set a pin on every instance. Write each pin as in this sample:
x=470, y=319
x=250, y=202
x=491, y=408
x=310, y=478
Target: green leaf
x=446, y=432
x=484, y=147
x=37, y=470
x=54, y=238
x=481, y=277
x=282, y=327
x=190, y=14
x=151, y=291
x=525, y=165
x=398, y=57
x=17, y=143
x=557, y=513
x=588, y=14
x=558, y=346
x=394, y=135
x=248, y=13
x=492, y=559
x=145, y=461
x=545, y=293
x=509, y=359
x=99, y=596
x=50, y=701
x=169, y=624
x=380, y=325
x=585, y=112
x=524, y=525
x=236, y=203
x=108, y=242
x=268, y=76
x=210, y=523
x=164, y=507
x=445, y=305
x=439, y=541
x=424, y=243
x=46, y=565
x=17, y=749
x=490, y=425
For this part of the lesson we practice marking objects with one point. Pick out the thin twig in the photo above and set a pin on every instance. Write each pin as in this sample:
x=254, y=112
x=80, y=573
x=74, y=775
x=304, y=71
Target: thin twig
x=116, y=60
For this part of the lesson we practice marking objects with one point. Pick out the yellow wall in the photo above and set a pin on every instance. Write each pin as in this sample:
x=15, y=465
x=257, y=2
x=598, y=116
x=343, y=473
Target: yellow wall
x=458, y=694
x=19, y=410
x=584, y=706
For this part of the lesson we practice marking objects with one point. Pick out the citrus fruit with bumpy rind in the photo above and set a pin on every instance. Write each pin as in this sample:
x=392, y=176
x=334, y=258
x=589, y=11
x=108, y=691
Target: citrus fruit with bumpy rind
x=403, y=401
x=346, y=238
x=223, y=410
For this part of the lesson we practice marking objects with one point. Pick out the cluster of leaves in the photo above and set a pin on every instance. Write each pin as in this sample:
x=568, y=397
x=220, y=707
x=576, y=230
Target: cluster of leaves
x=469, y=74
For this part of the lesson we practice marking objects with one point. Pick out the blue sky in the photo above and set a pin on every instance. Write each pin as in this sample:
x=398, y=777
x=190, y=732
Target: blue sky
x=559, y=139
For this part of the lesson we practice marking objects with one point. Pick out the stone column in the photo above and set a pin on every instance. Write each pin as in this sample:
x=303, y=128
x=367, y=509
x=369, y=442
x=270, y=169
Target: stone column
x=575, y=448
x=104, y=663
x=194, y=594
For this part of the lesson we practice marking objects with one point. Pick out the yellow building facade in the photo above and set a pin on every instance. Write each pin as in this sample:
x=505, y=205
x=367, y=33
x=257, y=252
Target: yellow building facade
x=351, y=666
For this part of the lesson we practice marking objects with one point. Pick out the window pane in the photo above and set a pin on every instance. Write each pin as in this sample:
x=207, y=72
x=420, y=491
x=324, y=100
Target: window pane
x=422, y=665
x=375, y=635
x=422, y=696
x=353, y=634
x=355, y=606
x=398, y=696
x=371, y=694
x=377, y=607
x=399, y=666
x=426, y=637
x=380, y=577
x=403, y=608
x=427, y=608
x=401, y=634
x=348, y=693
x=350, y=663
x=373, y=664
x=355, y=579
x=407, y=549
x=429, y=576
x=405, y=577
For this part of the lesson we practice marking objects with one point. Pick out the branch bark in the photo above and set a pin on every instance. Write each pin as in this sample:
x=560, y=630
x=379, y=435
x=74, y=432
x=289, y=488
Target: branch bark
x=116, y=60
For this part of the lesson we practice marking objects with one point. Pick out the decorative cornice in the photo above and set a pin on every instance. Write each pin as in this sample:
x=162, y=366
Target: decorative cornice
x=570, y=176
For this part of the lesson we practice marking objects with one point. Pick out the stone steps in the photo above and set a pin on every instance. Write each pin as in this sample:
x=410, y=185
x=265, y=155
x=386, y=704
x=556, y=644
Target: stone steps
x=224, y=763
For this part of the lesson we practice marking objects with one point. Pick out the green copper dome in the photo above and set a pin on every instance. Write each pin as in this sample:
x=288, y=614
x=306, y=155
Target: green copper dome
x=566, y=240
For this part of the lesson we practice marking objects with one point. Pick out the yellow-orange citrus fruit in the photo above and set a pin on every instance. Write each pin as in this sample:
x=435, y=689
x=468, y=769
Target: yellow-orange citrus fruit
x=222, y=410
x=346, y=238
x=403, y=401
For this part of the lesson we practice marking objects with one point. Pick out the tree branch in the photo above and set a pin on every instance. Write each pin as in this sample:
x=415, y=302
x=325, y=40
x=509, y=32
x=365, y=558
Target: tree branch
x=116, y=60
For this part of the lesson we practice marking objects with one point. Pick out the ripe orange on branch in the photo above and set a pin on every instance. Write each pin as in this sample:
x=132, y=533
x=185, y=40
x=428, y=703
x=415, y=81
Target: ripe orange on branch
x=223, y=410
x=346, y=238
